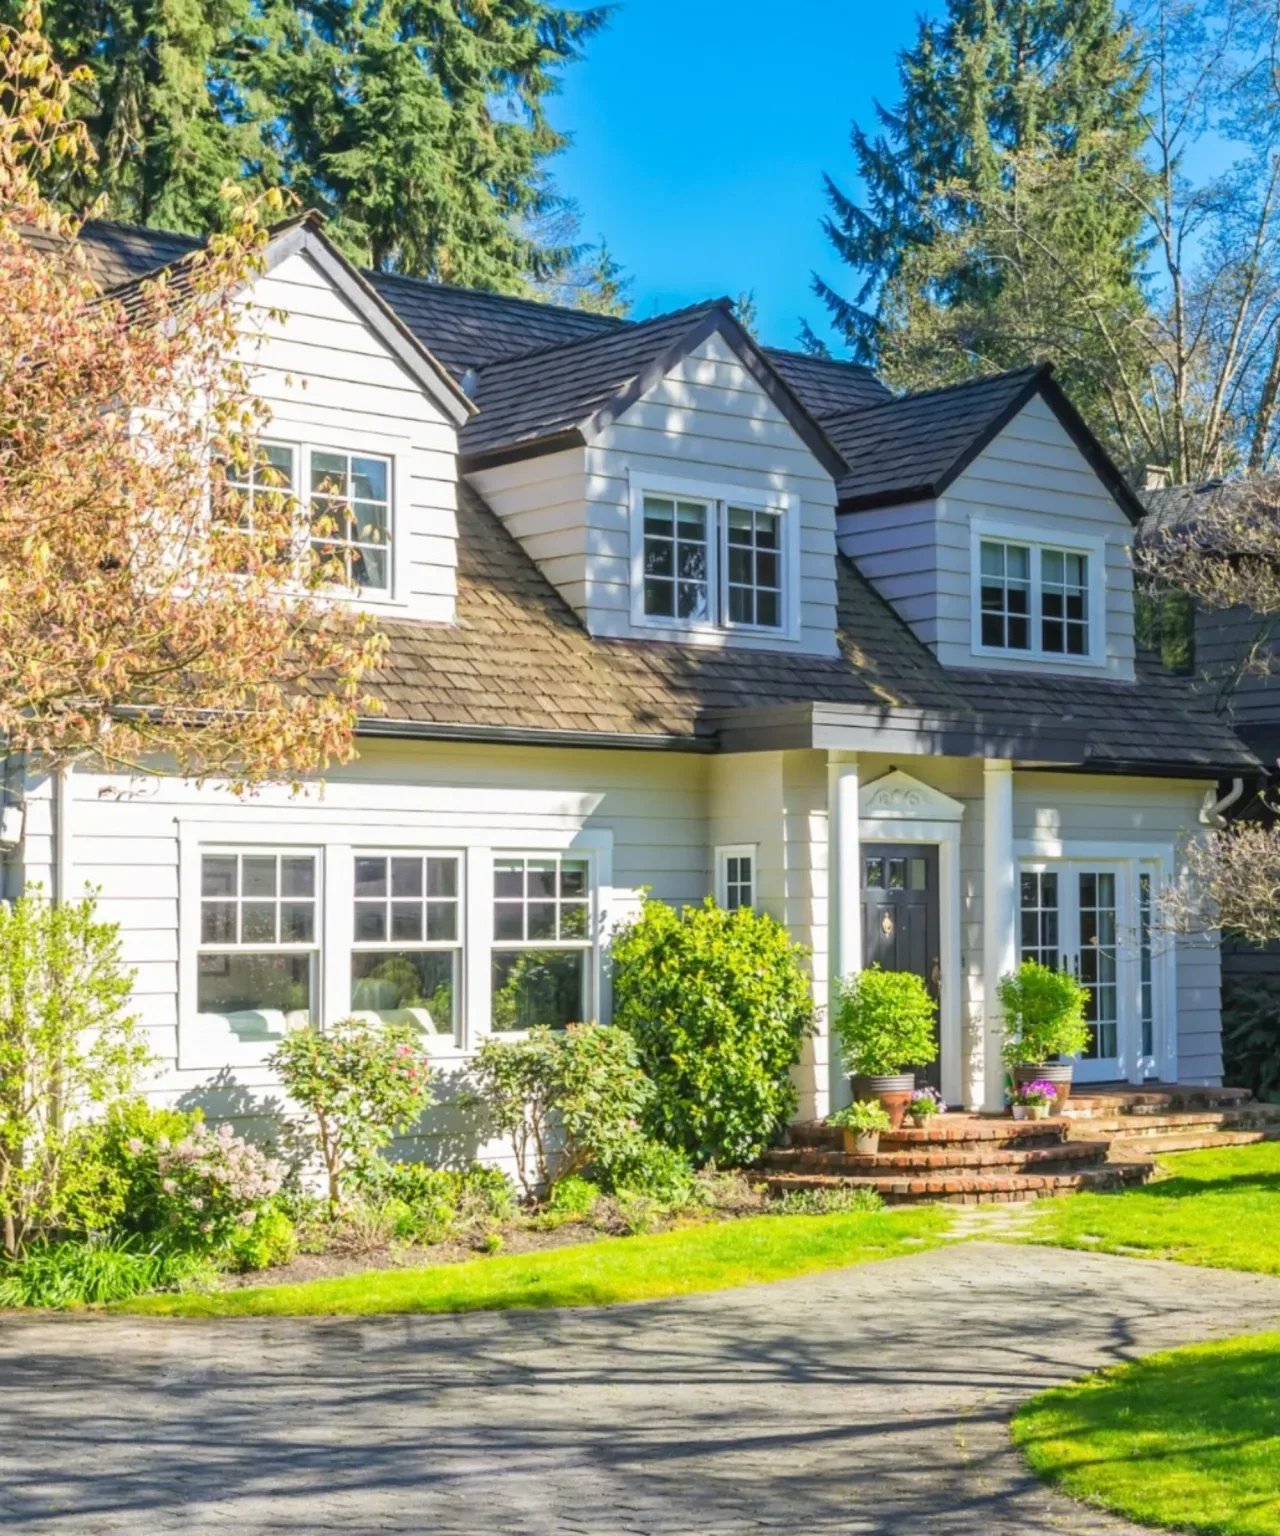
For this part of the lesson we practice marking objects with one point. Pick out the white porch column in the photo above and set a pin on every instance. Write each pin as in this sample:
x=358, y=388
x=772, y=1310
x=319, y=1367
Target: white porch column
x=844, y=872
x=999, y=926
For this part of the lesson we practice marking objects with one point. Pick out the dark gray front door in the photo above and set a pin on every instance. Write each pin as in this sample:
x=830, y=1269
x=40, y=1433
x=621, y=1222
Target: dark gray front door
x=900, y=916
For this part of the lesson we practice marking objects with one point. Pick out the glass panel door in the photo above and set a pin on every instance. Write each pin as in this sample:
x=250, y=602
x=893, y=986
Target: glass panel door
x=1096, y=965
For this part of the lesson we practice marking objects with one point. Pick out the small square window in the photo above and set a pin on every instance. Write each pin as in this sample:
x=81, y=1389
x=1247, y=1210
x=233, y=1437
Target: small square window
x=736, y=877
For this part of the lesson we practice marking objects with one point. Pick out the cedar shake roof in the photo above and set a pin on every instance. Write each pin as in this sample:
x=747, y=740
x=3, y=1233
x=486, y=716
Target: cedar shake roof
x=827, y=385
x=519, y=659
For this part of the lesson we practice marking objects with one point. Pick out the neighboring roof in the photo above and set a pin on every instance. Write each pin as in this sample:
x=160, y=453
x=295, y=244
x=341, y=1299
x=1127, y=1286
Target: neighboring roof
x=570, y=392
x=913, y=447
x=827, y=385
x=519, y=663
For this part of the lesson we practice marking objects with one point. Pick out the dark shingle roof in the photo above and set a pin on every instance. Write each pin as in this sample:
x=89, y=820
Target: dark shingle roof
x=825, y=384
x=518, y=658
x=906, y=449
x=532, y=398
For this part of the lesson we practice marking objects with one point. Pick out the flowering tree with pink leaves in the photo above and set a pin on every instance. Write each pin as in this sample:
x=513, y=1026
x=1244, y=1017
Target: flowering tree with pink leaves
x=358, y=1084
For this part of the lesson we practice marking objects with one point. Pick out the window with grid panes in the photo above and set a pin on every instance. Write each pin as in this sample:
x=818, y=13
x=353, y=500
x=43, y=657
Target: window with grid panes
x=258, y=935
x=542, y=941
x=351, y=515
x=407, y=938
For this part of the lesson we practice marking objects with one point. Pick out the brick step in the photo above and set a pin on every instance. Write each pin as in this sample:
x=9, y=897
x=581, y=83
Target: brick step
x=1193, y=1141
x=1247, y=1118
x=971, y=1189
x=1155, y=1100
x=944, y=1131
x=973, y=1157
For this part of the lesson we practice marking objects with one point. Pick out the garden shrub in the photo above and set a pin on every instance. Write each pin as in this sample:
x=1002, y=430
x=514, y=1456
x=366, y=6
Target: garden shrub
x=719, y=1003
x=884, y=1021
x=565, y=1099
x=360, y=1083
x=648, y=1167
x=826, y=1202
x=270, y=1240
x=572, y=1199
x=206, y=1186
x=118, y=1187
x=94, y=1271
x=68, y=1048
x=1251, y=1036
x=1044, y=1014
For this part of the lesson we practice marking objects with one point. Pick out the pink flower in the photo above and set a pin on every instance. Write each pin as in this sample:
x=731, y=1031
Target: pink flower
x=168, y=1185
x=197, y=1203
x=135, y=1145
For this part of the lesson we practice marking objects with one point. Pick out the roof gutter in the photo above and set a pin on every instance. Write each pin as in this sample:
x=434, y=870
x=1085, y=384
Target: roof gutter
x=529, y=736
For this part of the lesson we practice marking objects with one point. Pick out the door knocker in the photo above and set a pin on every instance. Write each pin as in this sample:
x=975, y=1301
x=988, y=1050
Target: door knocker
x=886, y=926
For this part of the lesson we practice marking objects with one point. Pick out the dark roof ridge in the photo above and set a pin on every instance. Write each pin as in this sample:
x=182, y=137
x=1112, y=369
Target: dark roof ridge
x=1028, y=371
x=706, y=307
x=612, y=322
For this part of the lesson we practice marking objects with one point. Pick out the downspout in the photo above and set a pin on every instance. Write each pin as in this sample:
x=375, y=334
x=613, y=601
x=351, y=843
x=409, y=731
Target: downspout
x=1213, y=811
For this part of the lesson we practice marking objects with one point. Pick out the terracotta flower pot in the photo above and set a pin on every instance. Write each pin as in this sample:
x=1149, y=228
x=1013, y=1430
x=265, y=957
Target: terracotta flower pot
x=864, y=1143
x=1056, y=1072
x=894, y=1092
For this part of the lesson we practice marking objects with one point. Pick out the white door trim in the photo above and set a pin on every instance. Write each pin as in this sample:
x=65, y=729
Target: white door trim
x=945, y=835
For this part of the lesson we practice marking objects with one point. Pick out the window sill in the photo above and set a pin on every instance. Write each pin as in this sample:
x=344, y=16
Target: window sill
x=1037, y=658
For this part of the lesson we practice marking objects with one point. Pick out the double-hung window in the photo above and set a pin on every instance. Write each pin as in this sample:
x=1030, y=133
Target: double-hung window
x=351, y=516
x=256, y=963
x=407, y=938
x=257, y=499
x=735, y=877
x=543, y=941
x=708, y=562
x=1036, y=600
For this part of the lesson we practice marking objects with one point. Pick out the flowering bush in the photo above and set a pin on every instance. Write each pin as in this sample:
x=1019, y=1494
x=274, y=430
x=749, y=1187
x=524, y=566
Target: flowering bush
x=360, y=1083
x=210, y=1184
x=926, y=1102
x=1039, y=1092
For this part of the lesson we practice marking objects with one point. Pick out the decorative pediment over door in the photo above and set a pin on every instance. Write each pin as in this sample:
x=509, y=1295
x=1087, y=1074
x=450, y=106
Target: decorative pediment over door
x=899, y=797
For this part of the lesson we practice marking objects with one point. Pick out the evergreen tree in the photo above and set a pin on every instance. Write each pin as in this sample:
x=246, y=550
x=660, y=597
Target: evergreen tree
x=1012, y=158
x=418, y=126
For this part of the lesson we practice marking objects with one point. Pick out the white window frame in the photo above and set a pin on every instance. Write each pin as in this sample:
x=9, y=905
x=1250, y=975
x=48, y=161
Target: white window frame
x=727, y=851
x=718, y=497
x=1036, y=540
x=395, y=451
x=593, y=1008
x=458, y=945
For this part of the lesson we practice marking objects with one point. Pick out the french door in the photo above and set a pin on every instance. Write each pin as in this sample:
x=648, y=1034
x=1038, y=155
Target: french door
x=1093, y=919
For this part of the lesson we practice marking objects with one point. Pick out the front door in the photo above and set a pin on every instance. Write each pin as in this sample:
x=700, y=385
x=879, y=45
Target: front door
x=900, y=917
x=1092, y=918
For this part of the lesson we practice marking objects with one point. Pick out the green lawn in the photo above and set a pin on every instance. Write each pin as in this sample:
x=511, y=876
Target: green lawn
x=1219, y=1208
x=699, y=1258
x=1189, y=1439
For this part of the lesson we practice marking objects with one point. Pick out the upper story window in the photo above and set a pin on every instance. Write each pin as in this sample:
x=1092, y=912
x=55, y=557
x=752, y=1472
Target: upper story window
x=1038, y=600
x=348, y=520
x=712, y=562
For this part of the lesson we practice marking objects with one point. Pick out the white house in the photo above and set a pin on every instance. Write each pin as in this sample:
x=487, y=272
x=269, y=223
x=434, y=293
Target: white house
x=668, y=610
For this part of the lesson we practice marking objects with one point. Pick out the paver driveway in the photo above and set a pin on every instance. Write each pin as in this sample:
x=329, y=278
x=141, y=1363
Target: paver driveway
x=869, y=1400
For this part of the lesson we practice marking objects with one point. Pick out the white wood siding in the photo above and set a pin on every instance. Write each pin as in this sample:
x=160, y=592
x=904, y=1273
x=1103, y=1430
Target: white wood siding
x=919, y=556
x=708, y=424
x=331, y=382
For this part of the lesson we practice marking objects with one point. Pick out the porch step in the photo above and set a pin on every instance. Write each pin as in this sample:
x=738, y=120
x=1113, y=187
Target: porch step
x=944, y=1131
x=953, y=1188
x=958, y=1159
x=1191, y=1141
x=1247, y=1117
x=1153, y=1101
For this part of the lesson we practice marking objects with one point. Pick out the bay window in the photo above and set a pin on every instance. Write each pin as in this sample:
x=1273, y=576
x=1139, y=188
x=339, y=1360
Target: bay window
x=543, y=946
x=407, y=939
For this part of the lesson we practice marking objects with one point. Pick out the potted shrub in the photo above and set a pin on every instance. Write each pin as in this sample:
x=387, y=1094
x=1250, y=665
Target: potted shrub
x=862, y=1123
x=1043, y=1019
x=925, y=1102
x=1034, y=1100
x=884, y=1021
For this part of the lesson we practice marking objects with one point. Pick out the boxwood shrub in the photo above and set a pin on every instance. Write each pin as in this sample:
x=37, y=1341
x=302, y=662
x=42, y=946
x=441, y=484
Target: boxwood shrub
x=719, y=1003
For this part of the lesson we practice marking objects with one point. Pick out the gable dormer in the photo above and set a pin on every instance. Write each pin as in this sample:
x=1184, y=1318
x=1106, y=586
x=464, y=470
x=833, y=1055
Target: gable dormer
x=996, y=525
x=666, y=479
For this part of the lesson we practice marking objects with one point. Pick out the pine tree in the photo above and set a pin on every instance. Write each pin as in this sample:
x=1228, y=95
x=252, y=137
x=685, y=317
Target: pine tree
x=1012, y=159
x=418, y=126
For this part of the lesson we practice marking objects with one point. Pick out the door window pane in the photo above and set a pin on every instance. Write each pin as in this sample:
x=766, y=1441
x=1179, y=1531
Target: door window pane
x=1098, y=962
x=1039, y=918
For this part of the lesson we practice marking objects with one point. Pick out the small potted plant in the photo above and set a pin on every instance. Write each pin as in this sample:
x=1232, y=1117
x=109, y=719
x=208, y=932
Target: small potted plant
x=925, y=1102
x=1043, y=1019
x=1034, y=1099
x=862, y=1123
x=885, y=1022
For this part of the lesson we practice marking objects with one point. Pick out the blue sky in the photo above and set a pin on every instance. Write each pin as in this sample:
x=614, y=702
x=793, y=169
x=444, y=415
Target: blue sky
x=701, y=132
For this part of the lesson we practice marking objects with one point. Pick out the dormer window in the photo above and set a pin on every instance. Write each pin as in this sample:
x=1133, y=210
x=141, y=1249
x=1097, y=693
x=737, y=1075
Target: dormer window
x=712, y=562
x=1042, y=601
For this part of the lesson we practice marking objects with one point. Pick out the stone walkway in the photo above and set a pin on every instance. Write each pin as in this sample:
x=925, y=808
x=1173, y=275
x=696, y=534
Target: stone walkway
x=875, y=1399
